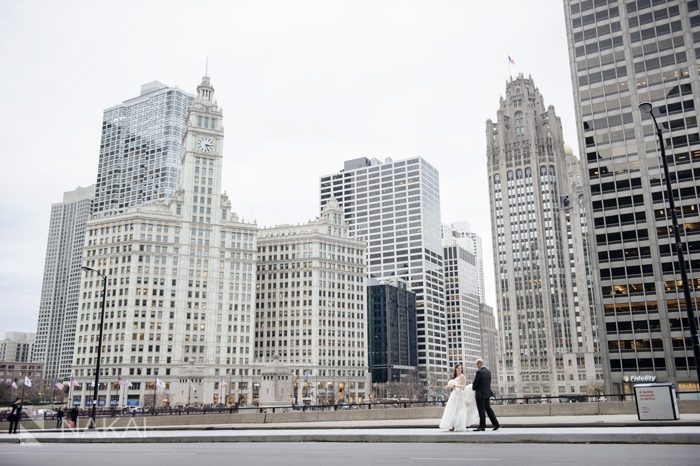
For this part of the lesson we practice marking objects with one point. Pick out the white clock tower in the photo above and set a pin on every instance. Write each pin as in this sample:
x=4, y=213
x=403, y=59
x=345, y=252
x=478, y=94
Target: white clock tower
x=202, y=155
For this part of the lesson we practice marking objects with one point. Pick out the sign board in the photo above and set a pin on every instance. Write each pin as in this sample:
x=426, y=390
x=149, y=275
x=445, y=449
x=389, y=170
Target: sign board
x=656, y=402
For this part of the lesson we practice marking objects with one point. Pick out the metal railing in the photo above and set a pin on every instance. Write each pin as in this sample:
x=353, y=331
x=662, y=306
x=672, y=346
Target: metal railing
x=385, y=404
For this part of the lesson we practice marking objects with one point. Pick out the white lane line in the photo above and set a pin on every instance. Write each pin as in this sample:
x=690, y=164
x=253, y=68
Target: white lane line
x=168, y=453
x=456, y=459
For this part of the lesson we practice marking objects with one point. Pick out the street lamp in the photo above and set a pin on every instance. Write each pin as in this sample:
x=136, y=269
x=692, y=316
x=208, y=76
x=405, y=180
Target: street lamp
x=646, y=107
x=99, y=343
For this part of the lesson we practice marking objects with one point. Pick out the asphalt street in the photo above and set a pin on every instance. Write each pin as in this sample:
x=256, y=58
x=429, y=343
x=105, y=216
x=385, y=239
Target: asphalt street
x=340, y=454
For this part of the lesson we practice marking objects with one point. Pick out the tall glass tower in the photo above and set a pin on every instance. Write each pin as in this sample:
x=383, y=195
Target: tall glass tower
x=140, y=149
x=395, y=207
x=622, y=54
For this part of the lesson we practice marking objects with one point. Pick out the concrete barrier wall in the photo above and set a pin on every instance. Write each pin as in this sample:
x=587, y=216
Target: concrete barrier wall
x=374, y=414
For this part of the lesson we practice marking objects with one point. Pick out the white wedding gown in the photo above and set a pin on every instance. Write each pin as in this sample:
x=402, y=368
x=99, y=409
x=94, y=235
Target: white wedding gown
x=460, y=410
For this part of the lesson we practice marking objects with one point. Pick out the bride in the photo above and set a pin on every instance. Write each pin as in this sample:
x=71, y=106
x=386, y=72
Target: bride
x=460, y=410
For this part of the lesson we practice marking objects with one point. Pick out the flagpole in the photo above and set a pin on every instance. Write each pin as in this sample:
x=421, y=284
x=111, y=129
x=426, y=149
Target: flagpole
x=155, y=387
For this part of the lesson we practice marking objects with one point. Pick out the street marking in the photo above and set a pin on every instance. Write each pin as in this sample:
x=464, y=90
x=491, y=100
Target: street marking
x=457, y=459
x=168, y=453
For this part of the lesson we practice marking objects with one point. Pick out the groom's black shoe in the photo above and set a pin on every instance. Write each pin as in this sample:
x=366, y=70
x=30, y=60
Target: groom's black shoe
x=497, y=427
x=479, y=429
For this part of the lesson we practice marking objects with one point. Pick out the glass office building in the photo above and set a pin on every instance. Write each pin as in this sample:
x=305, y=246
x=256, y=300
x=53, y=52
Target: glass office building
x=141, y=148
x=393, y=352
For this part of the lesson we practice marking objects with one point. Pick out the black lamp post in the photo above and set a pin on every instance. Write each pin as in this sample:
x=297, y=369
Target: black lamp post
x=646, y=107
x=93, y=423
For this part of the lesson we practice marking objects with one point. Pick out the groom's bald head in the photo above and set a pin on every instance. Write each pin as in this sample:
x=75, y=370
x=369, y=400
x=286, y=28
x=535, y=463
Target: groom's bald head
x=479, y=363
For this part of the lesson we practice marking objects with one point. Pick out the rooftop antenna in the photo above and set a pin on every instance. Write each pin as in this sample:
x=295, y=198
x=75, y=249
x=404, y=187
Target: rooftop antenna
x=206, y=67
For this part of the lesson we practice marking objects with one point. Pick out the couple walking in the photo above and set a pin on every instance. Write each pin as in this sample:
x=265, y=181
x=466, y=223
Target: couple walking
x=467, y=402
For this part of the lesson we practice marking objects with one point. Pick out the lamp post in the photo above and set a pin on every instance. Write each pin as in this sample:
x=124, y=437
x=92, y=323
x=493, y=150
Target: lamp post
x=646, y=107
x=93, y=422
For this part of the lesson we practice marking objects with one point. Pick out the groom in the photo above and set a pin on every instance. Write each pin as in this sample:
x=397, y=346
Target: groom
x=482, y=387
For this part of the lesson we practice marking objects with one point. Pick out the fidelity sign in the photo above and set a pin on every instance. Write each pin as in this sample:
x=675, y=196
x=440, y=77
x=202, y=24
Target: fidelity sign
x=642, y=378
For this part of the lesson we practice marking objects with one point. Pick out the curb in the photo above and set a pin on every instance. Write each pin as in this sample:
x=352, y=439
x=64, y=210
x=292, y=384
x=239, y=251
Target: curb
x=344, y=437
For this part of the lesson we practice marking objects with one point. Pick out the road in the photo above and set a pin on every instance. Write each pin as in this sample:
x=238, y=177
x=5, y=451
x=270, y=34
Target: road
x=355, y=454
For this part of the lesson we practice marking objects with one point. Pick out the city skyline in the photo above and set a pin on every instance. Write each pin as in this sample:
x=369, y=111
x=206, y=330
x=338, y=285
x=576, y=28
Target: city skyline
x=305, y=87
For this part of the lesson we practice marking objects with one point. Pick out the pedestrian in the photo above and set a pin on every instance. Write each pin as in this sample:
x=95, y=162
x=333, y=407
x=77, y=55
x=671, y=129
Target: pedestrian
x=15, y=415
x=74, y=417
x=482, y=391
x=59, y=417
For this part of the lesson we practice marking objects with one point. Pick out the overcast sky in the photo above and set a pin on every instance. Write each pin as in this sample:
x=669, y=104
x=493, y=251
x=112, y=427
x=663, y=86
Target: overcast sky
x=305, y=85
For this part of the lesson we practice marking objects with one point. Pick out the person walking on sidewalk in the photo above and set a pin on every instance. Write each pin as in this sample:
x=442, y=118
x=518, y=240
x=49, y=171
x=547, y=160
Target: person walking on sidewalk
x=482, y=389
x=59, y=417
x=15, y=415
x=74, y=417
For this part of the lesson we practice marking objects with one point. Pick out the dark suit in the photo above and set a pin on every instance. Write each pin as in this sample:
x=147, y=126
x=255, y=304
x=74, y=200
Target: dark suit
x=15, y=417
x=59, y=418
x=482, y=389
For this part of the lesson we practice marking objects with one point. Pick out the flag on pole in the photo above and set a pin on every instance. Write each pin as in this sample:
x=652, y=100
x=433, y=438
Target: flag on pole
x=14, y=383
x=160, y=385
x=511, y=61
x=224, y=383
x=74, y=382
x=129, y=384
x=27, y=382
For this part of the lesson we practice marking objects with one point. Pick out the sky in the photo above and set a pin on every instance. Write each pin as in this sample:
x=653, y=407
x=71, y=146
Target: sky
x=304, y=86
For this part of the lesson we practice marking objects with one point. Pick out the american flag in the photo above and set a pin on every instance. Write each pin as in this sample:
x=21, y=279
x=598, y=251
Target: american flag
x=74, y=382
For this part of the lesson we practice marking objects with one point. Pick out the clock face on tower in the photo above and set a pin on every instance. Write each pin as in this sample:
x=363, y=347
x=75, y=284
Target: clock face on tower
x=205, y=144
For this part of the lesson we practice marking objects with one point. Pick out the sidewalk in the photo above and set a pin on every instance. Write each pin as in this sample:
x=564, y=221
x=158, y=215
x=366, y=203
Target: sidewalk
x=565, y=429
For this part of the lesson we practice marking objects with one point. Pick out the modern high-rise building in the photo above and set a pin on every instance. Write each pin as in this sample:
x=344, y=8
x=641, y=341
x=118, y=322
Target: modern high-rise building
x=60, y=288
x=180, y=288
x=461, y=298
x=395, y=207
x=623, y=54
x=547, y=319
x=311, y=314
x=17, y=346
x=489, y=343
x=140, y=149
x=463, y=230
x=393, y=352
